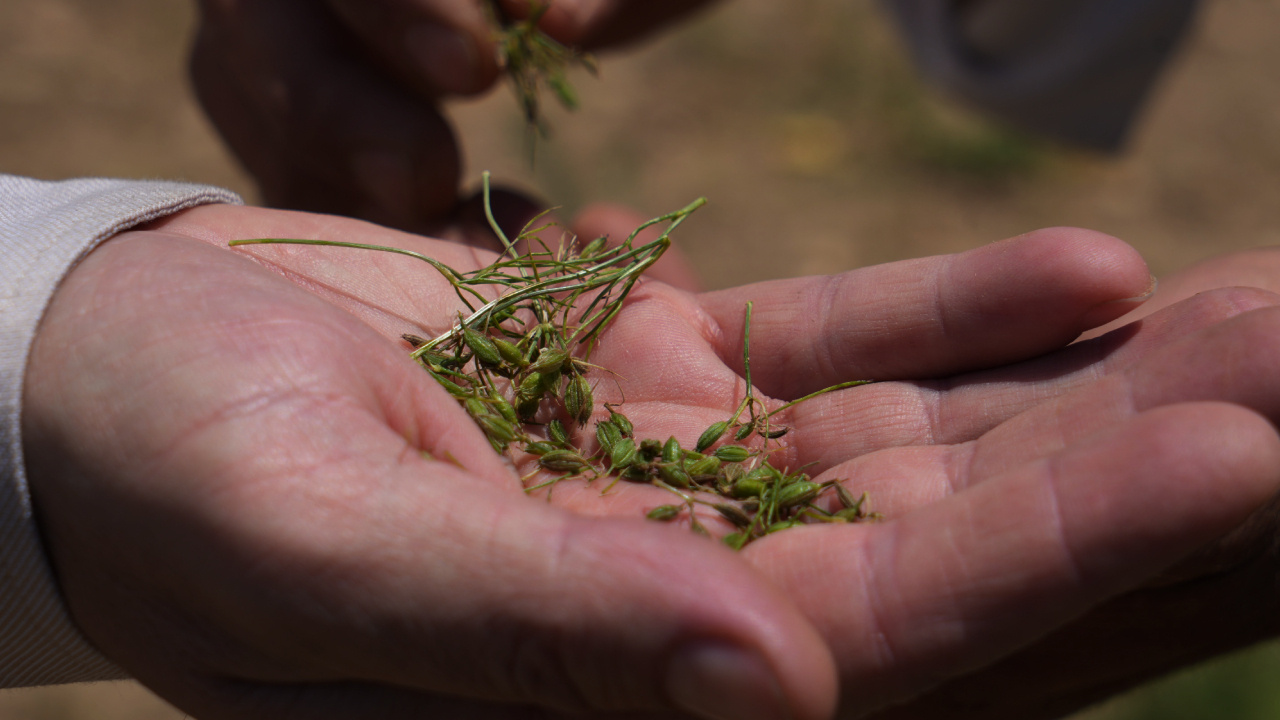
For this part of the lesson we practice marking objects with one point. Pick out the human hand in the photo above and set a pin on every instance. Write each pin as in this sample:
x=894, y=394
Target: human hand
x=1218, y=599
x=225, y=461
x=1062, y=283
x=1064, y=470
x=334, y=106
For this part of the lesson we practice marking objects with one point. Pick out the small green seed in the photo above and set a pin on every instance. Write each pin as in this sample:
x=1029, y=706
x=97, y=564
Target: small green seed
x=608, y=435
x=711, y=435
x=623, y=454
x=511, y=353
x=847, y=500
x=671, y=450
x=744, y=431
x=664, y=513
x=733, y=514
x=557, y=434
x=563, y=461
x=675, y=476
x=539, y=448
x=650, y=448
x=454, y=388
x=549, y=360
x=782, y=525
x=747, y=487
x=593, y=247
x=732, y=453
x=797, y=493
x=624, y=425
x=483, y=348
x=497, y=428
x=476, y=408
x=578, y=400
x=504, y=409
x=736, y=540
x=705, y=466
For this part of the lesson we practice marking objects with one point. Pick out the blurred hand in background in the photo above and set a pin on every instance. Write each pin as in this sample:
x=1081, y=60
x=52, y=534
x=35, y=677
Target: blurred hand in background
x=335, y=106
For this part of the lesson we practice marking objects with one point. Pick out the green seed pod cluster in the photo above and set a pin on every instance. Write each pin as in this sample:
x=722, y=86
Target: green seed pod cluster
x=519, y=367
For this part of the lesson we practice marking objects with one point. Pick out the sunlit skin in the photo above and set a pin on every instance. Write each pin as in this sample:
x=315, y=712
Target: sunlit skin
x=256, y=409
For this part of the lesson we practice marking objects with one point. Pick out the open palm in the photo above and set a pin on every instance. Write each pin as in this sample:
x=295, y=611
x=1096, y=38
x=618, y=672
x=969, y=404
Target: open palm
x=314, y=560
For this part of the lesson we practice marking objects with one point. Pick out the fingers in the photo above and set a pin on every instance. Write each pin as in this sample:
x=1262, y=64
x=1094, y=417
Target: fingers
x=318, y=124
x=960, y=582
x=963, y=408
x=435, y=46
x=607, y=23
x=936, y=316
x=272, y=442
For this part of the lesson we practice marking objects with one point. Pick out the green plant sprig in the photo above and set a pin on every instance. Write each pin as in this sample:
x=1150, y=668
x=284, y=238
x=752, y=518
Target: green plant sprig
x=533, y=60
x=518, y=363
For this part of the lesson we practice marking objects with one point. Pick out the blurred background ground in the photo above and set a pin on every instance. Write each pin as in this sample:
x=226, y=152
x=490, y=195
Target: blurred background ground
x=804, y=125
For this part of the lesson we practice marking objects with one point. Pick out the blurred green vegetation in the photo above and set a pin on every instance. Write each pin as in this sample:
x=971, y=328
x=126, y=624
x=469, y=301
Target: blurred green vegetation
x=1242, y=686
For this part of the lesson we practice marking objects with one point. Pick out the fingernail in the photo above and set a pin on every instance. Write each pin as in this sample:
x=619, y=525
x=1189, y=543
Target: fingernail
x=716, y=681
x=446, y=58
x=1112, y=309
x=386, y=178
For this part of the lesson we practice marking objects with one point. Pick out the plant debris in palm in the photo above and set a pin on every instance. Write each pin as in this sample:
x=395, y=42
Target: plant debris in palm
x=518, y=362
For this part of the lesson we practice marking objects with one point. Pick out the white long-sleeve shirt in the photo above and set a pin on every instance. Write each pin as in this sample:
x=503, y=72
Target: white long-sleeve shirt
x=45, y=228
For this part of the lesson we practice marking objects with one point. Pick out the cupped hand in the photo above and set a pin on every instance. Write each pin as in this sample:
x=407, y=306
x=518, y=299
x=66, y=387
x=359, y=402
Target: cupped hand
x=261, y=508
x=1019, y=498
x=275, y=591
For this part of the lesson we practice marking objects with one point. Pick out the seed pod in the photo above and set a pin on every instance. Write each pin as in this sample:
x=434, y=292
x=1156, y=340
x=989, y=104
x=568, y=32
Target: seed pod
x=852, y=515
x=483, y=348
x=454, y=388
x=765, y=473
x=497, y=428
x=593, y=247
x=797, y=493
x=732, y=453
x=705, y=466
x=413, y=340
x=674, y=475
x=650, y=448
x=623, y=454
x=782, y=525
x=511, y=353
x=775, y=433
x=504, y=409
x=664, y=513
x=712, y=434
x=529, y=395
x=539, y=448
x=847, y=500
x=744, y=431
x=476, y=408
x=733, y=514
x=563, y=461
x=747, y=487
x=736, y=540
x=578, y=400
x=557, y=434
x=549, y=360
x=608, y=435
x=671, y=450
x=624, y=425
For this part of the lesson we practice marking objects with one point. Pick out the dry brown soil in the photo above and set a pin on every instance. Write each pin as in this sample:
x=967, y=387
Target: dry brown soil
x=800, y=120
